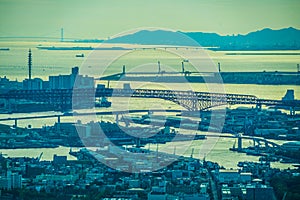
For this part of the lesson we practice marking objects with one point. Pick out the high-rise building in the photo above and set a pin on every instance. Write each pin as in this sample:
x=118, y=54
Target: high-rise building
x=33, y=84
x=16, y=180
x=71, y=81
x=5, y=183
x=11, y=181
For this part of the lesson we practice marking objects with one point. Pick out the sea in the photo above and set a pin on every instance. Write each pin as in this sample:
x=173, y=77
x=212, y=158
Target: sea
x=97, y=63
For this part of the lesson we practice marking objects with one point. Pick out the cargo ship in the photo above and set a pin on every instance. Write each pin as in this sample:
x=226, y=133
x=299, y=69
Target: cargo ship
x=79, y=55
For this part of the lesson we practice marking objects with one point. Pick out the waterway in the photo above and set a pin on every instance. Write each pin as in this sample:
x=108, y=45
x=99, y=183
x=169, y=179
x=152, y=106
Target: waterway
x=216, y=151
x=13, y=65
x=48, y=153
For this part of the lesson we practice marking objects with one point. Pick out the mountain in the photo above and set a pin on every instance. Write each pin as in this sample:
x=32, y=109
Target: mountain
x=155, y=37
x=265, y=39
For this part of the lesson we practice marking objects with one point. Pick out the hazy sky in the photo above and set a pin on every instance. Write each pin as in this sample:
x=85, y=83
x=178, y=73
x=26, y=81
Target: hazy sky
x=103, y=18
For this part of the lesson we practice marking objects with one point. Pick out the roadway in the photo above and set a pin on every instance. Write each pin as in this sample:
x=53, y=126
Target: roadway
x=232, y=135
x=88, y=113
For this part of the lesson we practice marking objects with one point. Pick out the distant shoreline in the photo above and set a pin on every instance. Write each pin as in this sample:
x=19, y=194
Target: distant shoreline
x=81, y=48
x=264, y=54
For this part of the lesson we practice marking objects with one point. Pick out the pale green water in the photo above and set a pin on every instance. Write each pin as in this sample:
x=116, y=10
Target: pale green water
x=13, y=64
x=47, y=152
x=257, y=62
x=219, y=153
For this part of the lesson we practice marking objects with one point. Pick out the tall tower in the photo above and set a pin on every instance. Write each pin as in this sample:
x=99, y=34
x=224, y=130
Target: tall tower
x=29, y=64
x=62, y=34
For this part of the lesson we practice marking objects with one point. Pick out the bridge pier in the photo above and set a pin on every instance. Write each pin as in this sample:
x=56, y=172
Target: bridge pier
x=58, y=124
x=240, y=145
x=117, y=119
x=138, y=142
x=16, y=123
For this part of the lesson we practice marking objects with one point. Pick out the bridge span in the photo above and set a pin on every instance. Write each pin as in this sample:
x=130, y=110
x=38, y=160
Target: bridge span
x=58, y=116
x=192, y=101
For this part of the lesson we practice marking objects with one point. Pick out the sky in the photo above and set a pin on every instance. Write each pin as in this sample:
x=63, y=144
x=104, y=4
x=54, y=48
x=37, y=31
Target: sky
x=104, y=18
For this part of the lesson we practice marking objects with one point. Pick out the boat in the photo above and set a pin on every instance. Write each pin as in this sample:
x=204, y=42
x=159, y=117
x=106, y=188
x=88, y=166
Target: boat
x=80, y=55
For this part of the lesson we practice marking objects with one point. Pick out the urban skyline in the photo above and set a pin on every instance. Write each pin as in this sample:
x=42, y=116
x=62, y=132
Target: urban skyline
x=104, y=99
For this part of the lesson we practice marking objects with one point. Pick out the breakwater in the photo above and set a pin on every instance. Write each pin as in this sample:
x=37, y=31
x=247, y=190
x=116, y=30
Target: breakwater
x=265, y=78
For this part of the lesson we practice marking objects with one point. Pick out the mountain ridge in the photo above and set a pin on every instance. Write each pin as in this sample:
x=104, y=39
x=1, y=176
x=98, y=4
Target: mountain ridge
x=264, y=39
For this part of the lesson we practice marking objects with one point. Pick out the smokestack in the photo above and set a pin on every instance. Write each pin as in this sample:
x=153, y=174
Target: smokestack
x=219, y=67
x=182, y=66
x=29, y=64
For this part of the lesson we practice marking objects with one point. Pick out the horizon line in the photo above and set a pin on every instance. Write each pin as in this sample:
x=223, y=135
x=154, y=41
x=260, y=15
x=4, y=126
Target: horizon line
x=73, y=38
